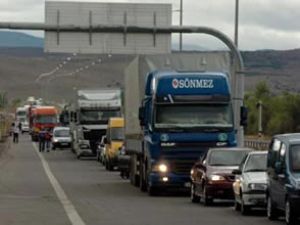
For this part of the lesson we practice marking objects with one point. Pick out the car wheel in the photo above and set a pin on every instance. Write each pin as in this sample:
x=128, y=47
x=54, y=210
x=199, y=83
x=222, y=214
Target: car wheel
x=194, y=197
x=207, y=200
x=244, y=208
x=290, y=215
x=271, y=209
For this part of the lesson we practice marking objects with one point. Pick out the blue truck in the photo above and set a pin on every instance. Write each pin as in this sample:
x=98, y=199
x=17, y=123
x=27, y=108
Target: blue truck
x=172, y=117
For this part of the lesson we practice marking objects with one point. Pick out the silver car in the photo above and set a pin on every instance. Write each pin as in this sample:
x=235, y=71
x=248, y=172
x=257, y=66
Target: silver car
x=61, y=138
x=251, y=182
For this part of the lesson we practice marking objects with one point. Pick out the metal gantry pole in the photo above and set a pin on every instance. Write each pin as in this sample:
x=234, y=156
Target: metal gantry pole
x=180, y=23
x=236, y=23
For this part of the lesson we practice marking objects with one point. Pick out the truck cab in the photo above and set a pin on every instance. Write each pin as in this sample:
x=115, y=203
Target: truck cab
x=114, y=141
x=182, y=115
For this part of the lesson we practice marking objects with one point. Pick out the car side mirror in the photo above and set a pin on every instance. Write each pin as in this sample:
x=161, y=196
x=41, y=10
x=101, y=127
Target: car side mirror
x=237, y=172
x=244, y=116
x=142, y=115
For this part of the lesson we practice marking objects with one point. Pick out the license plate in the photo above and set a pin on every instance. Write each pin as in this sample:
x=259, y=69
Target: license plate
x=64, y=144
x=187, y=184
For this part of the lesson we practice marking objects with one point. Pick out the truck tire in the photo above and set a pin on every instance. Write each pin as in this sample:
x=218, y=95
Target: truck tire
x=290, y=214
x=272, y=211
x=143, y=172
x=134, y=178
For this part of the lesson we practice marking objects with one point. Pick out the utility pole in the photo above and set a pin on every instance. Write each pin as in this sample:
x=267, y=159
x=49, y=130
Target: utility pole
x=181, y=23
x=259, y=106
x=236, y=24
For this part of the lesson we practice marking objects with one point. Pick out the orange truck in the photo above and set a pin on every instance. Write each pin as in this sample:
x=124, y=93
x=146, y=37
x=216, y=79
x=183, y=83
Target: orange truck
x=42, y=117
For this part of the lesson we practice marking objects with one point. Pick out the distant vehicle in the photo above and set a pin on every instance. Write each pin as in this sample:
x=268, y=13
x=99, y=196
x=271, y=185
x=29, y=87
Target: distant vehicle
x=250, y=185
x=22, y=117
x=42, y=117
x=89, y=114
x=212, y=176
x=114, y=141
x=283, y=168
x=61, y=138
x=100, y=149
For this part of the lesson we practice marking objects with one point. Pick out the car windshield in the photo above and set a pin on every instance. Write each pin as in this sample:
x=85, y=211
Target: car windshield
x=256, y=163
x=46, y=119
x=295, y=158
x=96, y=116
x=226, y=157
x=62, y=133
x=117, y=133
x=185, y=116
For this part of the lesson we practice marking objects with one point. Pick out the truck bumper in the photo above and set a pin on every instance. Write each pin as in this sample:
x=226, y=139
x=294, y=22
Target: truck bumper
x=169, y=180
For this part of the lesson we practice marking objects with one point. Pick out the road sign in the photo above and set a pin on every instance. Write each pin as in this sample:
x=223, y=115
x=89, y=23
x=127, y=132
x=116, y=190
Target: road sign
x=80, y=14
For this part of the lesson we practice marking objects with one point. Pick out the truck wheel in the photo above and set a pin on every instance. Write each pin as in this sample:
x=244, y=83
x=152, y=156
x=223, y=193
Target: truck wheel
x=290, y=214
x=143, y=185
x=152, y=191
x=194, y=197
x=272, y=211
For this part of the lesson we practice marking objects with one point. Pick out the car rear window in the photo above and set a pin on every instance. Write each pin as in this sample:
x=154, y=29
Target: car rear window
x=226, y=158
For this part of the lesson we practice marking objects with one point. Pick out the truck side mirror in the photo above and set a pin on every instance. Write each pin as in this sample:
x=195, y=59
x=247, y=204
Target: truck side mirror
x=142, y=115
x=244, y=116
x=278, y=167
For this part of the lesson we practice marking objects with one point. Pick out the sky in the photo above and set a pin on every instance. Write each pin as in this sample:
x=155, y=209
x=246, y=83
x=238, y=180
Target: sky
x=263, y=24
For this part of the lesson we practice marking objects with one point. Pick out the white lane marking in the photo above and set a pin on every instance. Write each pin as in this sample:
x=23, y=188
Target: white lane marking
x=71, y=212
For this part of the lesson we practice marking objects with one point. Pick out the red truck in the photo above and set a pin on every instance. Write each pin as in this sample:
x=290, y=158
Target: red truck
x=42, y=117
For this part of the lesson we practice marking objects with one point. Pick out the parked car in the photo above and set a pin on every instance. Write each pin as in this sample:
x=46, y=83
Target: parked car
x=283, y=169
x=251, y=182
x=100, y=149
x=212, y=176
x=61, y=138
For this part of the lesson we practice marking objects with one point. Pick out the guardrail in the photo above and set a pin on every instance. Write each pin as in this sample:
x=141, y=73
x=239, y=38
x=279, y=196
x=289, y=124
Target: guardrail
x=257, y=144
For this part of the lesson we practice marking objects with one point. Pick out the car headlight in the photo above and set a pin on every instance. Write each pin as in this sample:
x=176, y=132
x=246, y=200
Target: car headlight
x=192, y=171
x=254, y=186
x=161, y=167
x=55, y=140
x=216, y=177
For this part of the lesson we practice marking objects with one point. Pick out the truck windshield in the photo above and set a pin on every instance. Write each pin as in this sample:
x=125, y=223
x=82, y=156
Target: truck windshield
x=295, y=158
x=186, y=116
x=256, y=163
x=21, y=113
x=46, y=119
x=97, y=116
x=117, y=133
x=226, y=157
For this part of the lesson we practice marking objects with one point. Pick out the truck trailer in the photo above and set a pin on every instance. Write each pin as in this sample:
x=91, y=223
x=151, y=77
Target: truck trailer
x=176, y=107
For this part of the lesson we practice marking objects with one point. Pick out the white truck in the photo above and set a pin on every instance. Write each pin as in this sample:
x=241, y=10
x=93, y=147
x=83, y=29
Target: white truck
x=22, y=117
x=89, y=114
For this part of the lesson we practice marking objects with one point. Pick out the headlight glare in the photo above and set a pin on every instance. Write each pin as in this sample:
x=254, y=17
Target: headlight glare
x=216, y=177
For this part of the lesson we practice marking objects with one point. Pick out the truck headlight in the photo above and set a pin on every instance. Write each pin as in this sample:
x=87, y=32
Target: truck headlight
x=255, y=186
x=216, y=177
x=161, y=167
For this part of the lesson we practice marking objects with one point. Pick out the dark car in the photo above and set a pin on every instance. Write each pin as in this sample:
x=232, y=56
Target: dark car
x=283, y=189
x=212, y=176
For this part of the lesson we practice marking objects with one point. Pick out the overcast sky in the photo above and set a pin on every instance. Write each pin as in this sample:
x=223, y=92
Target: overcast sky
x=264, y=24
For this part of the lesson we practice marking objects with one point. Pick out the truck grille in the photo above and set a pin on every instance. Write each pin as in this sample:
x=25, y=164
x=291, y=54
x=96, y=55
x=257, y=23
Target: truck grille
x=182, y=166
x=93, y=135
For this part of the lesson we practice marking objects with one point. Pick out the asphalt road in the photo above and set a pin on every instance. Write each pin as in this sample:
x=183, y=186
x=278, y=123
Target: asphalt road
x=63, y=190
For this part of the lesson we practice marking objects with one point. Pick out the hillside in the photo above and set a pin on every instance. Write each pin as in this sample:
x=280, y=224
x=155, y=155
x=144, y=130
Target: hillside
x=20, y=67
x=18, y=39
